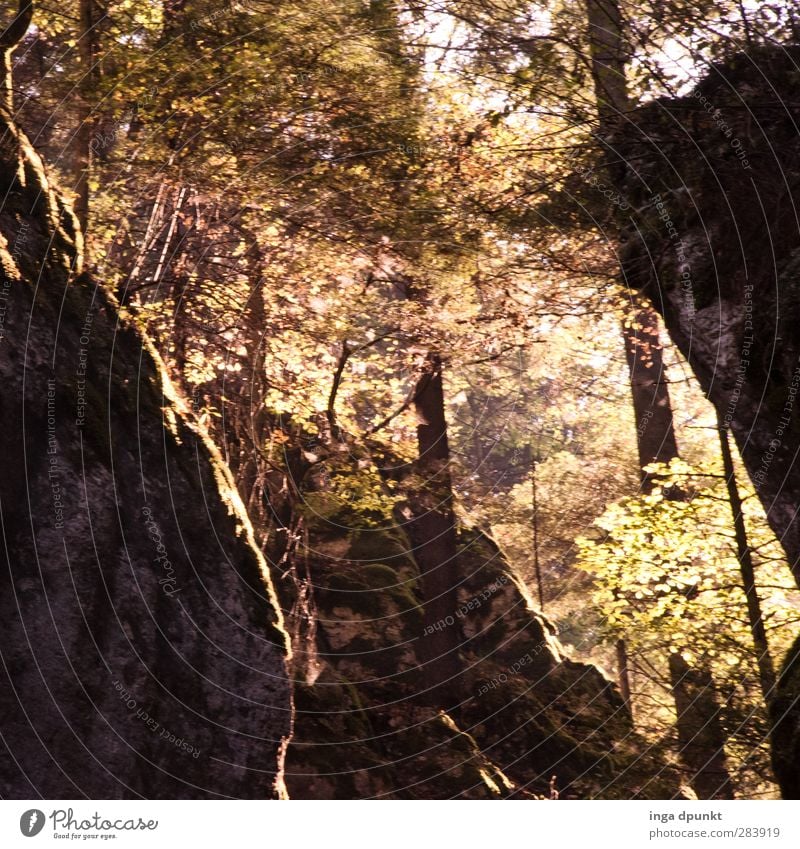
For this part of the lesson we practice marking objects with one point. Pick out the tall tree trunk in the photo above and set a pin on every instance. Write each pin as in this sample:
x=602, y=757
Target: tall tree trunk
x=9, y=39
x=655, y=430
x=432, y=531
x=431, y=526
x=252, y=425
x=701, y=739
x=623, y=673
x=609, y=55
x=766, y=669
x=699, y=730
x=537, y=567
x=91, y=15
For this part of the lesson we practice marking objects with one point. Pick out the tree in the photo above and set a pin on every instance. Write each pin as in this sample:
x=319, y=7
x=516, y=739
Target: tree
x=92, y=19
x=667, y=575
x=744, y=555
x=9, y=39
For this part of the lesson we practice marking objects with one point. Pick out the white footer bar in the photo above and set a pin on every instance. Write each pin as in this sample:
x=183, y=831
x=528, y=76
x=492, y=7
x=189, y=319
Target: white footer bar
x=401, y=824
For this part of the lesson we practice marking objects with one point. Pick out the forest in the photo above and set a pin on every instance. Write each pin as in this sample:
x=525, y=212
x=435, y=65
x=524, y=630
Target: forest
x=399, y=400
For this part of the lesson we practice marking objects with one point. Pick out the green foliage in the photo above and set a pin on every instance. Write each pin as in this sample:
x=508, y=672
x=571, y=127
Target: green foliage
x=351, y=496
x=666, y=578
x=666, y=572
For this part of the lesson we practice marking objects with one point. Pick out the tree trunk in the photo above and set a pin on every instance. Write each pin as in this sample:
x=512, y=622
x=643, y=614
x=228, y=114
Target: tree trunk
x=701, y=739
x=623, y=674
x=609, y=56
x=9, y=39
x=432, y=531
x=537, y=567
x=655, y=431
x=431, y=525
x=91, y=15
x=766, y=670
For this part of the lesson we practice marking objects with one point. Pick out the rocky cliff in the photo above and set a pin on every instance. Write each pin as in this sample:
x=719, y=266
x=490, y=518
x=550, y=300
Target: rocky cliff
x=143, y=652
x=713, y=239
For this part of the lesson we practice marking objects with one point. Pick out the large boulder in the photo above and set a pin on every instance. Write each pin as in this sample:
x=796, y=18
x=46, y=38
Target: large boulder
x=143, y=653
x=712, y=181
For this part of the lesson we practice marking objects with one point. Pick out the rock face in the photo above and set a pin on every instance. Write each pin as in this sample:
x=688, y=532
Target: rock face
x=143, y=652
x=713, y=179
x=528, y=722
